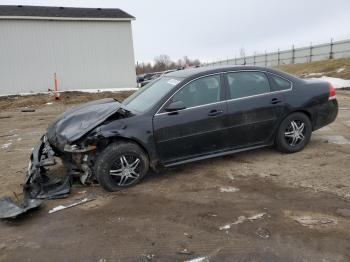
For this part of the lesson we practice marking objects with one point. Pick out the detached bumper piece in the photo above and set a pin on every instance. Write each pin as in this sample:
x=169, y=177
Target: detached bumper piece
x=10, y=209
x=38, y=185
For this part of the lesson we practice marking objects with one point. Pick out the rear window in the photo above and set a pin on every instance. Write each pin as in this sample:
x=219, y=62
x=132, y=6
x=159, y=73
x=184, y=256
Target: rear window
x=279, y=84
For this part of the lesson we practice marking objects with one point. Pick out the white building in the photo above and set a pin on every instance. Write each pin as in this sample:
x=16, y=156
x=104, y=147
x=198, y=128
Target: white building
x=87, y=48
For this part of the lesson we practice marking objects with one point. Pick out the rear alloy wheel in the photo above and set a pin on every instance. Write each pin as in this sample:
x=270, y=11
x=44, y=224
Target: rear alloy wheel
x=294, y=133
x=121, y=165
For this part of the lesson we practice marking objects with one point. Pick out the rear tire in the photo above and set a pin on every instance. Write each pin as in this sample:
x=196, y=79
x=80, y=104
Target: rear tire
x=294, y=133
x=121, y=165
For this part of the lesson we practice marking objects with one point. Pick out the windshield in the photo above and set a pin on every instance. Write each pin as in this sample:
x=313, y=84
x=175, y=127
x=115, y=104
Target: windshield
x=149, y=95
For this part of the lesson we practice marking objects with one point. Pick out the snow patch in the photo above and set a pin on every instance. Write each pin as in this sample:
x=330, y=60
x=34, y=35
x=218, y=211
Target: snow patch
x=338, y=140
x=340, y=70
x=229, y=189
x=76, y=90
x=6, y=146
x=103, y=90
x=230, y=176
x=309, y=221
x=314, y=74
x=325, y=129
x=338, y=83
x=241, y=220
x=199, y=259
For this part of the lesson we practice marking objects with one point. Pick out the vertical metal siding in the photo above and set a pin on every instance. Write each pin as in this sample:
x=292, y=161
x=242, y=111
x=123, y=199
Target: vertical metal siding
x=84, y=54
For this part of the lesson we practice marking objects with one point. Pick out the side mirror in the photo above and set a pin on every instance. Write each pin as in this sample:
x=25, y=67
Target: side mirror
x=175, y=106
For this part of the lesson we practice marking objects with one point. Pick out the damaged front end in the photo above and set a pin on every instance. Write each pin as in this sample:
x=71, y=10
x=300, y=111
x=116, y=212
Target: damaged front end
x=60, y=141
x=38, y=185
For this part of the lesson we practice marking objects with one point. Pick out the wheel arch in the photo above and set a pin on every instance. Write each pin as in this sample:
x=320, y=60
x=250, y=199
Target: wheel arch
x=305, y=112
x=135, y=141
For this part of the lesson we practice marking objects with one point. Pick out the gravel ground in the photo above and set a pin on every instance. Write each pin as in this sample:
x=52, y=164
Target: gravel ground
x=254, y=206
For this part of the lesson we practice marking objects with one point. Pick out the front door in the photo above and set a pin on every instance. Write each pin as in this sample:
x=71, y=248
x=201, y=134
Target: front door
x=196, y=130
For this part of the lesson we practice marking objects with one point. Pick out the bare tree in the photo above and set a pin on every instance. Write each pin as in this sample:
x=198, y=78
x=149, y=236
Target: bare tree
x=162, y=62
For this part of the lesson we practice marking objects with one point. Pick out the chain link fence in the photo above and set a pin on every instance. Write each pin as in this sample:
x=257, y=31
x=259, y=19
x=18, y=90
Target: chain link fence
x=331, y=50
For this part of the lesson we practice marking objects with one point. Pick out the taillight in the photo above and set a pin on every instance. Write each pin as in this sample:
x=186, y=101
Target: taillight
x=331, y=91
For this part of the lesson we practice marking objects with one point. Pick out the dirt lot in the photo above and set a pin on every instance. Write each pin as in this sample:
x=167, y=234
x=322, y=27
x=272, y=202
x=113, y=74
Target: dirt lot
x=255, y=206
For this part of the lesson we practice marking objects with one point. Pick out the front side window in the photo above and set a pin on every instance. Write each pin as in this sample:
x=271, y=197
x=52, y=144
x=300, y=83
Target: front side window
x=203, y=91
x=279, y=84
x=244, y=84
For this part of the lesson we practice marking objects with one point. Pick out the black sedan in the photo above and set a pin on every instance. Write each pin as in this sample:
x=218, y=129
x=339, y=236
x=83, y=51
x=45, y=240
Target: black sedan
x=181, y=117
x=186, y=116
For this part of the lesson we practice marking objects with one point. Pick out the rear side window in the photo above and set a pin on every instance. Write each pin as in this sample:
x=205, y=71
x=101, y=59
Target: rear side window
x=203, y=91
x=279, y=84
x=244, y=84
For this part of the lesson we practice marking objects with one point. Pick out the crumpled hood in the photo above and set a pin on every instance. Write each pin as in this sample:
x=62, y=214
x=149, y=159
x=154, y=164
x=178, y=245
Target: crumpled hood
x=78, y=121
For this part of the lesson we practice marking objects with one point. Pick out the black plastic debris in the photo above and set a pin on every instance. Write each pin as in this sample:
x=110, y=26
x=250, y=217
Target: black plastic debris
x=28, y=110
x=38, y=185
x=10, y=209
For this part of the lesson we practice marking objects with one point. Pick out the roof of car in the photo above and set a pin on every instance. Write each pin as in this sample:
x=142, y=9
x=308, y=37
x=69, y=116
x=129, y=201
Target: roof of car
x=199, y=71
x=22, y=11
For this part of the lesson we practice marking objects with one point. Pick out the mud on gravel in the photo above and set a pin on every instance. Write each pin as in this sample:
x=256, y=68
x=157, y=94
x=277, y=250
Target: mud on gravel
x=255, y=206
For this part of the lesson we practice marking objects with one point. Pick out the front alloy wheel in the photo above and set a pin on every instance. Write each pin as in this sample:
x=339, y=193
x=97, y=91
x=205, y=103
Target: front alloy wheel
x=126, y=170
x=120, y=165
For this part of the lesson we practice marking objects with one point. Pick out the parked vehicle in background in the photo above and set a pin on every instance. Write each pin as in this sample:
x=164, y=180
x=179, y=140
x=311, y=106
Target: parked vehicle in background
x=145, y=79
x=150, y=79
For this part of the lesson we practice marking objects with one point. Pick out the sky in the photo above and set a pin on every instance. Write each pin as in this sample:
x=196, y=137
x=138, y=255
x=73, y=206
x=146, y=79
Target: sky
x=216, y=30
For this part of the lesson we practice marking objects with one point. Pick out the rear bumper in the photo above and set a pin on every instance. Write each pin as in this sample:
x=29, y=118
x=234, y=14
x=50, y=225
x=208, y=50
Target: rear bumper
x=326, y=114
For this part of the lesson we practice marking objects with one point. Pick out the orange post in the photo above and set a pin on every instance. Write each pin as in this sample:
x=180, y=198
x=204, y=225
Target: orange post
x=57, y=96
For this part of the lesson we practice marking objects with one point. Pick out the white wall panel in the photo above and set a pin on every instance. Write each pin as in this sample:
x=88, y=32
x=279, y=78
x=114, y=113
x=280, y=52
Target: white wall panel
x=84, y=54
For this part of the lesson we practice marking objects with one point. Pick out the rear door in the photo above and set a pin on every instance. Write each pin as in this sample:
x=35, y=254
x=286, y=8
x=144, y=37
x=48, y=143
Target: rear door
x=254, y=109
x=196, y=130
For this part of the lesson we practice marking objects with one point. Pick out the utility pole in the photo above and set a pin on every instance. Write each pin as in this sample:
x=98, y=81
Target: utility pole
x=331, y=52
x=311, y=52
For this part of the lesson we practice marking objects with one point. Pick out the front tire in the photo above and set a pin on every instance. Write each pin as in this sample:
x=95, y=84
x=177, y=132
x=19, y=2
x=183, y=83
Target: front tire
x=294, y=133
x=121, y=165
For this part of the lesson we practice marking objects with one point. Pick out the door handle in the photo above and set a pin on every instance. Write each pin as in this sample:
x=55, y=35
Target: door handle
x=275, y=101
x=215, y=112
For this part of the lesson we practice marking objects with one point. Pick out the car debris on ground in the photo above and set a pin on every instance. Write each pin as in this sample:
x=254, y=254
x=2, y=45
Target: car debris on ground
x=62, y=207
x=188, y=235
x=28, y=110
